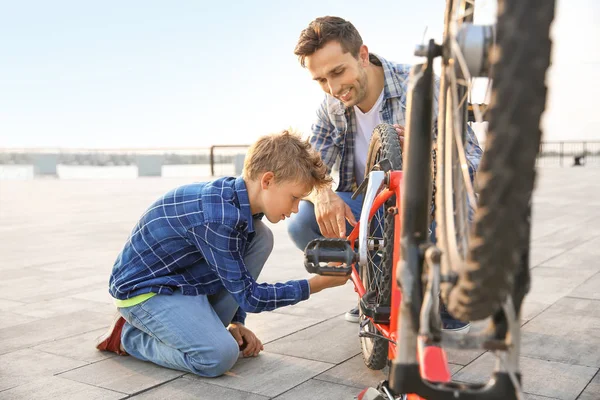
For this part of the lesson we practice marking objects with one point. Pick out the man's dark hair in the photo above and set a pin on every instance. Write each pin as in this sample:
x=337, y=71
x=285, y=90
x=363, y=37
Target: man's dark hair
x=322, y=31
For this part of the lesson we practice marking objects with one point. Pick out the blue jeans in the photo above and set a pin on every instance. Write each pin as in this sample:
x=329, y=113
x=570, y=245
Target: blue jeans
x=188, y=333
x=303, y=226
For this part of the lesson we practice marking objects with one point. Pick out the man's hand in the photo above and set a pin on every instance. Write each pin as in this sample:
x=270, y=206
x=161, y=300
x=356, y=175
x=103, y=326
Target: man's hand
x=400, y=131
x=247, y=340
x=331, y=213
x=320, y=282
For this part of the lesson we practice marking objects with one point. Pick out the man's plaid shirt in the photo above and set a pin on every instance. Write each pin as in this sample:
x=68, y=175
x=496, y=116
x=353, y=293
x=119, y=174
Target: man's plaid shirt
x=194, y=238
x=333, y=132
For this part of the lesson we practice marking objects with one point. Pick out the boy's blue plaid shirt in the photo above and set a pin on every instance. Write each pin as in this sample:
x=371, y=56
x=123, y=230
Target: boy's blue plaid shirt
x=333, y=132
x=209, y=222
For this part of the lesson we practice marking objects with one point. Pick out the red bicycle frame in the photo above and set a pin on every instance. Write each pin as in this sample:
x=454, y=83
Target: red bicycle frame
x=432, y=359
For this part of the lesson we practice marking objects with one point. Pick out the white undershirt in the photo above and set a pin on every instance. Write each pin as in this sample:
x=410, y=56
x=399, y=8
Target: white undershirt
x=365, y=124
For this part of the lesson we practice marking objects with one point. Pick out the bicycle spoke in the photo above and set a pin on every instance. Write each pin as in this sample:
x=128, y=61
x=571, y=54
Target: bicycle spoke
x=458, y=138
x=462, y=11
x=459, y=199
x=375, y=254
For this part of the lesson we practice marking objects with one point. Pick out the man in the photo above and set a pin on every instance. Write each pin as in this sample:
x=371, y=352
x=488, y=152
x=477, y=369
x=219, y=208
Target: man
x=362, y=91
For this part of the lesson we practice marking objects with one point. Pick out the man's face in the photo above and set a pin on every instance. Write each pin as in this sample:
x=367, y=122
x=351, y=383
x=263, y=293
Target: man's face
x=340, y=74
x=281, y=199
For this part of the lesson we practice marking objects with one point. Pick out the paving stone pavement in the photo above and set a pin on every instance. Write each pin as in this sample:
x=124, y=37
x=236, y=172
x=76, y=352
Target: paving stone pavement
x=59, y=238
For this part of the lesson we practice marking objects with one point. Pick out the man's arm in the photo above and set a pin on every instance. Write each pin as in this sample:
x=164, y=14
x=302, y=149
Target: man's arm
x=322, y=137
x=330, y=210
x=322, y=141
x=472, y=149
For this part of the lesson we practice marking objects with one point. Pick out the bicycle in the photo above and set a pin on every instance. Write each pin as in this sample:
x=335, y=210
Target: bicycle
x=479, y=270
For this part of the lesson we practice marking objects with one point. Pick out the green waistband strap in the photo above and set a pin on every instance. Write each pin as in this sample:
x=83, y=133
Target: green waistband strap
x=134, y=300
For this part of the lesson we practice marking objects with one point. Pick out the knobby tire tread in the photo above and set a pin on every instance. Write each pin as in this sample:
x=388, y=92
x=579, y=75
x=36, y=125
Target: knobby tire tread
x=384, y=144
x=506, y=175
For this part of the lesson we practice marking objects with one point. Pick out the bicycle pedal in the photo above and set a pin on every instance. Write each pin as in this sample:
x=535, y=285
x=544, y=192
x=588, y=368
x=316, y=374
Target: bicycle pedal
x=320, y=253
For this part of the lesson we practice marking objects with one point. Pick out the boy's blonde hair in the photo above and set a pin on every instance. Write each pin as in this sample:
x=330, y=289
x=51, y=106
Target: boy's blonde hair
x=289, y=157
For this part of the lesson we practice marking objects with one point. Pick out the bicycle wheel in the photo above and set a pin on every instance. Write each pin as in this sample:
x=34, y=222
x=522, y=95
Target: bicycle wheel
x=486, y=255
x=377, y=276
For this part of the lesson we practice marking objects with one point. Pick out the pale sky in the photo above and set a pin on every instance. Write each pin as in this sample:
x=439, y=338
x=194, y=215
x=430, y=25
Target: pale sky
x=149, y=73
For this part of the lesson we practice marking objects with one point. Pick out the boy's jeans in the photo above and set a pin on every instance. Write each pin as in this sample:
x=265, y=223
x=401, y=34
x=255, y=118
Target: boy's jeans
x=188, y=333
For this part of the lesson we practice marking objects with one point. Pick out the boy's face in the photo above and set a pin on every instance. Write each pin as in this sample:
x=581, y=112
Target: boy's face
x=340, y=74
x=281, y=199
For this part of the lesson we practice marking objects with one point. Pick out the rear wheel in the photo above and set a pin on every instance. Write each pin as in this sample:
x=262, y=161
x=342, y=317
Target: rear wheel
x=377, y=277
x=486, y=255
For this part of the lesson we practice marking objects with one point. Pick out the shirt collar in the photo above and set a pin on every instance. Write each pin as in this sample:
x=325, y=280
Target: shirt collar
x=392, y=86
x=242, y=194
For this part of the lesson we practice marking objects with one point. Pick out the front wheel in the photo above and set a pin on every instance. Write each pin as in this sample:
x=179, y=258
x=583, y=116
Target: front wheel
x=377, y=276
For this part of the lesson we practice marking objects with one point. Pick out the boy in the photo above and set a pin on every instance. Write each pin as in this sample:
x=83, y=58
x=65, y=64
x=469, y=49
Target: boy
x=187, y=275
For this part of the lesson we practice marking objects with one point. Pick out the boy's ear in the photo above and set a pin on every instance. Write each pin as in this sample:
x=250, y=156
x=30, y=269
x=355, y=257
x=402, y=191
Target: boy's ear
x=267, y=180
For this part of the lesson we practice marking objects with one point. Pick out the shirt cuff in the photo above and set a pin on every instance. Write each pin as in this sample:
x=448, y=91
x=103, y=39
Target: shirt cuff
x=305, y=289
x=239, y=317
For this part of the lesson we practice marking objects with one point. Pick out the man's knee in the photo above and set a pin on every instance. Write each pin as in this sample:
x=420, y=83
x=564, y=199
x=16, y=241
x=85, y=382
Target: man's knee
x=294, y=228
x=300, y=227
x=219, y=359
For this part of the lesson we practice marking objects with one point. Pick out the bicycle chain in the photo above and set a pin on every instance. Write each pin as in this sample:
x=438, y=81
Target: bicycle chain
x=434, y=160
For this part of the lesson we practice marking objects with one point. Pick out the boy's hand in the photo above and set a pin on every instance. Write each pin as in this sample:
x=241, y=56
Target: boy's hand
x=319, y=282
x=247, y=340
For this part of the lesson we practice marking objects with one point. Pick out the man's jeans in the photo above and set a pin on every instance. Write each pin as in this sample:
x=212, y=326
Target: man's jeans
x=188, y=333
x=303, y=226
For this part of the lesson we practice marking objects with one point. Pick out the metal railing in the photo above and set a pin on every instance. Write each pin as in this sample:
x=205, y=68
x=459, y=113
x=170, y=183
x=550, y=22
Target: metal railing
x=225, y=153
x=568, y=153
x=106, y=157
x=217, y=160
x=222, y=158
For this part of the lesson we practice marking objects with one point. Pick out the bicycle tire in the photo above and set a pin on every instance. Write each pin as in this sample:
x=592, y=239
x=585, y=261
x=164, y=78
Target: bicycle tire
x=384, y=144
x=506, y=175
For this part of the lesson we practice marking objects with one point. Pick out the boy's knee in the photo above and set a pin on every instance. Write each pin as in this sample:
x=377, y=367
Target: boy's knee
x=220, y=359
x=265, y=236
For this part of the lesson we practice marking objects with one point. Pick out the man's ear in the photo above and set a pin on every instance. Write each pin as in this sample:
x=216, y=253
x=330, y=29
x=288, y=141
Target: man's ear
x=363, y=55
x=268, y=179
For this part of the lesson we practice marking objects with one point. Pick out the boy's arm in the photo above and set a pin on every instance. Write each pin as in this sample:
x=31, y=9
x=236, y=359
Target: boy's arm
x=239, y=317
x=222, y=247
x=315, y=283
